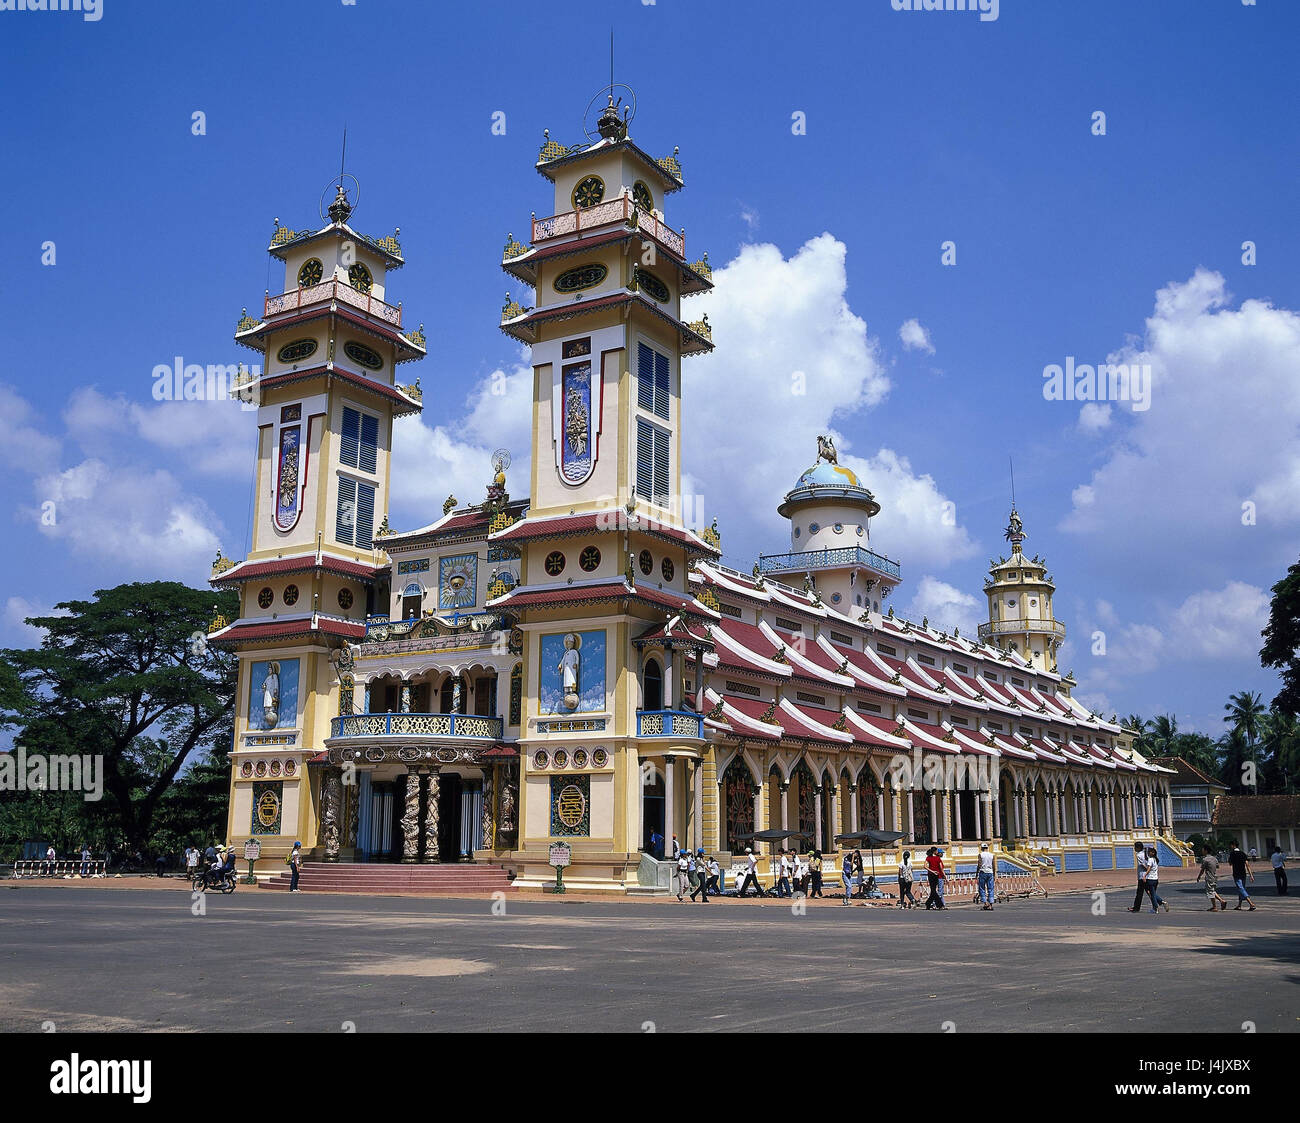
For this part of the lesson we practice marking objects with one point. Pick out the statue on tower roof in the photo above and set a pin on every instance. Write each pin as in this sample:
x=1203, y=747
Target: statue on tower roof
x=340, y=210
x=826, y=449
x=1015, y=532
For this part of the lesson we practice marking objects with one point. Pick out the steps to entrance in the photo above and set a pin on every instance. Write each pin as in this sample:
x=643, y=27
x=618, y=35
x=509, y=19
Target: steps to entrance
x=467, y=880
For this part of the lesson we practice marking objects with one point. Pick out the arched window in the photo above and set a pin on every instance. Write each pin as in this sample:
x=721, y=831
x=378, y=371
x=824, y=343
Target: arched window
x=412, y=601
x=652, y=685
x=447, y=697
x=738, y=789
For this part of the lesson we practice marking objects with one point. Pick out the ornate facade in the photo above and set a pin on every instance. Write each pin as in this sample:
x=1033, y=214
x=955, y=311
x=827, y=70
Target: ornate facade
x=578, y=666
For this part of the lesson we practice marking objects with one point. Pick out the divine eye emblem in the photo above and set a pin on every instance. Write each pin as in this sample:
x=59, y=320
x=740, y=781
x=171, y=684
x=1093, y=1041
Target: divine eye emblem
x=589, y=191
x=310, y=273
x=583, y=277
x=554, y=563
x=589, y=559
x=369, y=359
x=359, y=277
x=642, y=198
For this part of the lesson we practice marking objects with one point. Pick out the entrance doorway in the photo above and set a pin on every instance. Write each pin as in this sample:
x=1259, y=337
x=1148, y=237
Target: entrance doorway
x=449, y=804
x=652, y=799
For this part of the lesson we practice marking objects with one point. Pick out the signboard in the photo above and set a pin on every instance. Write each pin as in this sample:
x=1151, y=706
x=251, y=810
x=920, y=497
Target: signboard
x=561, y=855
x=252, y=850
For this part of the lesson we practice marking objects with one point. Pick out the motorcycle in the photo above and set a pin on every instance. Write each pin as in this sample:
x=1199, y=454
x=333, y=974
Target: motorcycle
x=223, y=880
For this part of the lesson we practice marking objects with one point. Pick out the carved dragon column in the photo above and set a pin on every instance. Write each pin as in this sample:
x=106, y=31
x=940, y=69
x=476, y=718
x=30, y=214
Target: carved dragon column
x=489, y=807
x=432, y=790
x=411, y=817
x=331, y=812
x=509, y=801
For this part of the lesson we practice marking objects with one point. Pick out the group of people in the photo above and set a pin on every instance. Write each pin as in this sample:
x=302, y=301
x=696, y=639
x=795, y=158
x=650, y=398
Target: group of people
x=1241, y=873
x=693, y=870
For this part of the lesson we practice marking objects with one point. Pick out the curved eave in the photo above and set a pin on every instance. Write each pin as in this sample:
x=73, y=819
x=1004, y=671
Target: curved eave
x=847, y=495
x=254, y=338
x=524, y=327
x=523, y=267
x=401, y=403
x=668, y=182
x=341, y=230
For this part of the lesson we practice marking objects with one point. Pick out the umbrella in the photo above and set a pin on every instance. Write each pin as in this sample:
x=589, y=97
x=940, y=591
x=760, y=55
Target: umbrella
x=875, y=838
x=769, y=836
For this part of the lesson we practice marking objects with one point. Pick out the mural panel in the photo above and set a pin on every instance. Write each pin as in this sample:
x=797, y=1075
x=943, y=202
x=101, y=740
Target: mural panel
x=571, y=806
x=573, y=673
x=273, y=694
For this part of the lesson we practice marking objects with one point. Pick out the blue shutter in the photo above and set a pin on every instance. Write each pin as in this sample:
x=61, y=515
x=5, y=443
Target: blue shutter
x=661, y=385
x=349, y=437
x=661, y=467
x=345, y=519
x=365, y=516
x=369, y=442
x=645, y=372
x=645, y=452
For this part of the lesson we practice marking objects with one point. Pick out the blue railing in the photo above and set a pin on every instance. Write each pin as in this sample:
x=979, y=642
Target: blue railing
x=830, y=559
x=669, y=723
x=379, y=626
x=417, y=725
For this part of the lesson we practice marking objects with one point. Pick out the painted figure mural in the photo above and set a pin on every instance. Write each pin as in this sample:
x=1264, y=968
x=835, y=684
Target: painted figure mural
x=573, y=672
x=274, y=700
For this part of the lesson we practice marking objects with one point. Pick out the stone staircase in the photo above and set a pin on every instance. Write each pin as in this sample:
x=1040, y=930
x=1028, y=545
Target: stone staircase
x=385, y=879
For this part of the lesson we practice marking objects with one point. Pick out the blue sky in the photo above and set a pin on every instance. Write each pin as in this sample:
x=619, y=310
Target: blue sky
x=921, y=127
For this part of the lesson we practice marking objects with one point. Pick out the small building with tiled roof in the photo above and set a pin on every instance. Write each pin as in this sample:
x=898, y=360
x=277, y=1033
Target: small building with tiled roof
x=1193, y=795
x=1260, y=822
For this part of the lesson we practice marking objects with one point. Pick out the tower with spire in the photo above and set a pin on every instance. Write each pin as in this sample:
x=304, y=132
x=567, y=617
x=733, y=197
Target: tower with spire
x=1020, y=593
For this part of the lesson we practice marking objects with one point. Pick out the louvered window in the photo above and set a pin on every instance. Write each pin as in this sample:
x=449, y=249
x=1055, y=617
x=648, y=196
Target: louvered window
x=354, y=520
x=652, y=380
x=652, y=462
x=359, y=440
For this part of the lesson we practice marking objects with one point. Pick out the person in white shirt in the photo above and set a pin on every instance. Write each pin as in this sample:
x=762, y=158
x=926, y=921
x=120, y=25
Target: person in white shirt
x=714, y=883
x=751, y=874
x=683, y=872
x=1140, y=862
x=1152, y=882
x=1279, y=870
x=984, y=877
x=781, y=871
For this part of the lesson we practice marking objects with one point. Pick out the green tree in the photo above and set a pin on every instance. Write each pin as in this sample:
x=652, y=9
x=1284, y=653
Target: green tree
x=1234, y=759
x=1282, y=640
x=127, y=676
x=1246, y=713
x=1198, y=750
x=1160, y=736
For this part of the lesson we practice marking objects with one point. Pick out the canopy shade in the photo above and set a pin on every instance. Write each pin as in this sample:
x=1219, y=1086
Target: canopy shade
x=769, y=836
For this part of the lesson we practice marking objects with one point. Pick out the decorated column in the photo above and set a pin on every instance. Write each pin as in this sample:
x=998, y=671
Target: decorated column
x=432, y=790
x=670, y=804
x=817, y=816
x=331, y=812
x=489, y=808
x=411, y=817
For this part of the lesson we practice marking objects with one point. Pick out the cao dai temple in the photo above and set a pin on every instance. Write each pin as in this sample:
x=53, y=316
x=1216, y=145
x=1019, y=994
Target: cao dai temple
x=578, y=666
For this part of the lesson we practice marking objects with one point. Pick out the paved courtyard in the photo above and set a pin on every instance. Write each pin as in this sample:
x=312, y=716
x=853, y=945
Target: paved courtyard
x=107, y=959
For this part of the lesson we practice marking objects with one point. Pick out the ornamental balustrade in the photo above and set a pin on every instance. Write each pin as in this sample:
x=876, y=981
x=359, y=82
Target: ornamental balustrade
x=605, y=214
x=669, y=723
x=380, y=628
x=830, y=559
x=417, y=725
x=1001, y=627
x=333, y=290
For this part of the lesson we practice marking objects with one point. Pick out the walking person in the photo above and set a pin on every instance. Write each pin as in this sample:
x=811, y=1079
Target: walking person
x=50, y=858
x=85, y=860
x=847, y=874
x=1240, y=872
x=905, y=879
x=713, y=885
x=1210, y=872
x=191, y=861
x=701, y=883
x=683, y=870
x=984, y=877
x=1140, y=861
x=934, y=873
x=751, y=874
x=1279, y=870
x=295, y=867
x=859, y=873
x=1152, y=882
x=781, y=868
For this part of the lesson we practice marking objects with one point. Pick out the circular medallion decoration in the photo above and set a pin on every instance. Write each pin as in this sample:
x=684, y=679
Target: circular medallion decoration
x=813, y=528
x=589, y=191
x=345, y=599
x=838, y=528
x=570, y=805
x=554, y=564
x=580, y=758
x=646, y=562
x=260, y=768
x=296, y=351
x=359, y=277
x=540, y=759
x=835, y=598
x=666, y=568
x=561, y=758
x=265, y=598
x=599, y=758
x=310, y=273
x=589, y=559
x=652, y=286
x=275, y=768
x=579, y=278
x=246, y=769
x=1011, y=602
x=290, y=767
x=291, y=594
x=268, y=809
x=1033, y=602
x=371, y=360
x=641, y=196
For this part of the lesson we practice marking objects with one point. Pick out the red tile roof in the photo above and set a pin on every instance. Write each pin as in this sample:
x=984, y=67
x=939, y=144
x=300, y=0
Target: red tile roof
x=600, y=591
x=275, y=629
x=595, y=522
x=356, y=381
x=303, y=563
x=1257, y=811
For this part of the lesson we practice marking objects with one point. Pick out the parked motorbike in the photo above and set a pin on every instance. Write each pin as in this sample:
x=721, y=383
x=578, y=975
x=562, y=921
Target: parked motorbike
x=222, y=880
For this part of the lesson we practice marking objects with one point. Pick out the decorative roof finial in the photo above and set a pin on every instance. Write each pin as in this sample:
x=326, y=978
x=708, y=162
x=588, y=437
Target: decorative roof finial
x=826, y=449
x=1015, y=532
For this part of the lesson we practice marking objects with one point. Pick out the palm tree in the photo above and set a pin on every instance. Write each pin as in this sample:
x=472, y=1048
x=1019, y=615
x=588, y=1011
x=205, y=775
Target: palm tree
x=1234, y=754
x=1281, y=740
x=1246, y=715
x=1163, y=731
x=1137, y=723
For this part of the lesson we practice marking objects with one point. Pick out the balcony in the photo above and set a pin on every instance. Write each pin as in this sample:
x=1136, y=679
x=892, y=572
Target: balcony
x=676, y=724
x=1020, y=627
x=464, y=726
x=450, y=625
x=842, y=558
x=332, y=291
x=607, y=214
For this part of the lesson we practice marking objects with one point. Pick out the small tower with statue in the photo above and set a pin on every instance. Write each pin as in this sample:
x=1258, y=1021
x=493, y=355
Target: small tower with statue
x=1020, y=592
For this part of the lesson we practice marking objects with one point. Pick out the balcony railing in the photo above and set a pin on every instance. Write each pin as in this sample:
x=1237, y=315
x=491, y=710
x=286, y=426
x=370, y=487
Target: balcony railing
x=830, y=559
x=669, y=723
x=331, y=290
x=469, y=726
x=606, y=214
x=380, y=628
x=1013, y=627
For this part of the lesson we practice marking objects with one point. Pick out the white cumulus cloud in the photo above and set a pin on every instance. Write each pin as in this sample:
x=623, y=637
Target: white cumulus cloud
x=947, y=607
x=915, y=337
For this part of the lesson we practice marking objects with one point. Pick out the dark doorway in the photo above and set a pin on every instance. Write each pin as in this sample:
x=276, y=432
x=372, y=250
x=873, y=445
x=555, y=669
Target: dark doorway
x=653, y=692
x=449, y=789
x=652, y=795
x=970, y=824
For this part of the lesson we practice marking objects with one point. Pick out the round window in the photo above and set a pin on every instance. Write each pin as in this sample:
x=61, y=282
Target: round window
x=359, y=277
x=666, y=568
x=1011, y=602
x=554, y=563
x=860, y=532
x=1033, y=602
x=264, y=598
x=589, y=191
x=797, y=532
x=310, y=273
x=589, y=559
x=838, y=528
x=835, y=598
x=646, y=562
x=345, y=599
x=813, y=528
x=291, y=594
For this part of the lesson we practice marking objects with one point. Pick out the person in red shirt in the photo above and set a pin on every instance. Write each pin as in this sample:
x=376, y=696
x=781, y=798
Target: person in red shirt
x=935, y=873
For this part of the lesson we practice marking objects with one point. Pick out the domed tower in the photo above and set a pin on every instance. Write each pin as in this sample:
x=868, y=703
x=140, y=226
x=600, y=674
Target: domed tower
x=830, y=533
x=1020, y=604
